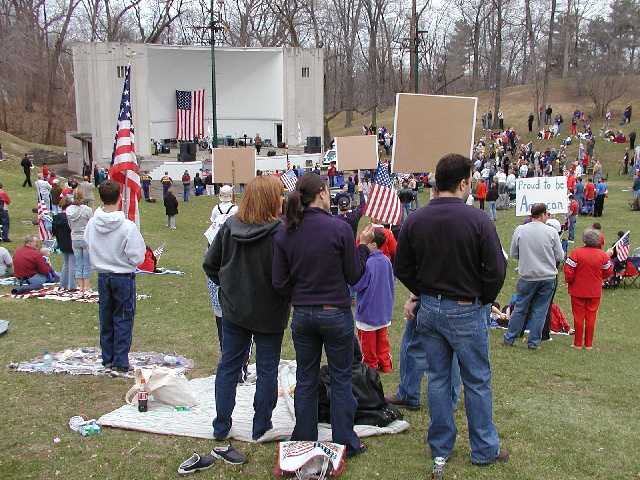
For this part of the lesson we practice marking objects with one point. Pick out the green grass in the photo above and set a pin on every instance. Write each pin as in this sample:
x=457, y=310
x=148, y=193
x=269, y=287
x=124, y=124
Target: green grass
x=563, y=414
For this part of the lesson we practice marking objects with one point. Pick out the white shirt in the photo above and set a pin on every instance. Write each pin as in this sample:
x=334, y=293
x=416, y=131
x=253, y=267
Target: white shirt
x=43, y=188
x=5, y=261
x=511, y=180
x=502, y=177
x=579, y=170
x=524, y=169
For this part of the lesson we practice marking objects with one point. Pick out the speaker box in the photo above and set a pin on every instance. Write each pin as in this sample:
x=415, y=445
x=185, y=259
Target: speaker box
x=309, y=149
x=313, y=141
x=186, y=149
x=193, y=148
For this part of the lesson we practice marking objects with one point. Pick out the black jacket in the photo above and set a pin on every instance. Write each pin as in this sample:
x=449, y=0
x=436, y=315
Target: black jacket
x=492, y=193
x=170, y=204
x=62, y=232
x=240, y=261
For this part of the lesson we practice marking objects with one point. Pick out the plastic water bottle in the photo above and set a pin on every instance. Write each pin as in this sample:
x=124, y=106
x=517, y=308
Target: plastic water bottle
x=47, y=361
x=438, y=468
x=143, y=397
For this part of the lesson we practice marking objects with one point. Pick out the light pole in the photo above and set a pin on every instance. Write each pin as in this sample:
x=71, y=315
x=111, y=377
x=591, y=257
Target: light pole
x=216, y=26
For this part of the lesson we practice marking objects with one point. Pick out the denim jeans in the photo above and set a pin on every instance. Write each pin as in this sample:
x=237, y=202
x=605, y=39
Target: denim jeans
x=186, y=192
x=534, y=297
x=4, y=224
x=236, y=344
x=492, y=210
x=407, y=209
x=145, y=190
x=37, y=280
x=171, y=221
x=448, y=327
x=312, y=328
x=572, y=227
x=83, y=262
x=67, y=274
x=117, y=309
x=413, y=366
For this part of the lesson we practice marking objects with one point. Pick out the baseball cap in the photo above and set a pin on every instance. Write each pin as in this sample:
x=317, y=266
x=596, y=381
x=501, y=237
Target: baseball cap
x=344, y=203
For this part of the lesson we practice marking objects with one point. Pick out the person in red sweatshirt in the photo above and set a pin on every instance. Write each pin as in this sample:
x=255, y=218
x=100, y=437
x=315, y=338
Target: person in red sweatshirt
x=584, y=270
x=481, y=192
x=590, y=195
x=5, y=201
x=29, y=264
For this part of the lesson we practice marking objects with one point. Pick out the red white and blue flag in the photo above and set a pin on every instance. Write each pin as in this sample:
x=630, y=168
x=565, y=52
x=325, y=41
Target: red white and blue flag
x=124, y=164
x=383, y=205
x=289, y=179
x=189, y=114
x=43, y=215
x=622, y=247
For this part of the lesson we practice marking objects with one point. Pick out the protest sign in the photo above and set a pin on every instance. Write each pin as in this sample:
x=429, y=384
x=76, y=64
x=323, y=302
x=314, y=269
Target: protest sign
x=427, y=127
x=358, y=152
x=233, y=165
x=551, y=191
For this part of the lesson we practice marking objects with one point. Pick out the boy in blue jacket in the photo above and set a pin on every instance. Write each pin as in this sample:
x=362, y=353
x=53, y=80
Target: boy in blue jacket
x=374, y=300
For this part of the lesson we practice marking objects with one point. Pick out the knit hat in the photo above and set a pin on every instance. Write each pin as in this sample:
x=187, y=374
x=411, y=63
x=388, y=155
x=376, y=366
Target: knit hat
x=226, y=193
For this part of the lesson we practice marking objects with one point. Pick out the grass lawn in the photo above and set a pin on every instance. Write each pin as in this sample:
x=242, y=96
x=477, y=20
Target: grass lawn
x=563, y=414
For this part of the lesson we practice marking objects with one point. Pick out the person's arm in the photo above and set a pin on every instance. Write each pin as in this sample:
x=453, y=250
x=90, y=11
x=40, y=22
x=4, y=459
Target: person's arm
x=42, y=267
x=280, y=271
x=213, y=258
x=557, y=248
x=607, y=268
x=494, y=265
x=514, y=250
x=364, y=281
x=570, y=266
x=405, y=267
x=134, y=247
x=354, y=258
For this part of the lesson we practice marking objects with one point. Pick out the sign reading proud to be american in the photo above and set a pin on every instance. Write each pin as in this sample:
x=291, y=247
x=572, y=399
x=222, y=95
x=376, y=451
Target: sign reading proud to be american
x=551, y=191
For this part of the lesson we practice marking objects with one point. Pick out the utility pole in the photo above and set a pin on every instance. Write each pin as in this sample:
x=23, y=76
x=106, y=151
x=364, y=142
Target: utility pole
x=215, y=26
x=416, y=44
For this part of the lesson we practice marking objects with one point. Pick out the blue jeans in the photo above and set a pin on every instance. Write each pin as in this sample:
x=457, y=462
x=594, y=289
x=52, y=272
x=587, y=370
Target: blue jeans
x=4, y=224
x=186, y=192
x=572, y=227
x=37, y=280
x=117, y=308
x=313, y=327
x=407, y=209
x=534, y=298
x=235, y=347
x=448, y=327
x=145, y=190
x=67, y=274
x=83, y=262
x=492, y=210
x=413, y=366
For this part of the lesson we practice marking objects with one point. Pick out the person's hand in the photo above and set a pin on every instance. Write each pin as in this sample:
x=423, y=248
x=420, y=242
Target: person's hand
x=366, y=235
x=610, y=252
x=409, y=309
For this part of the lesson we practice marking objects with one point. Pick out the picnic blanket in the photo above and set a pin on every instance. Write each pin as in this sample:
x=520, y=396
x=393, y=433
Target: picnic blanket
x=62, y=295
x=8, y=281
x=196, y=422
x=159, y=271
x=88, y=361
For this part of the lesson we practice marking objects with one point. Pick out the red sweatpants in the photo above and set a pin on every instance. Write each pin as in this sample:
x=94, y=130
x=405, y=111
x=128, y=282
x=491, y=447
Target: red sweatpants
x=376, y=351
x=585, y=311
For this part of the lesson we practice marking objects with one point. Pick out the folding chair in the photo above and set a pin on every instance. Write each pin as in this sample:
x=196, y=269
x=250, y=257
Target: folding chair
x=631, y=275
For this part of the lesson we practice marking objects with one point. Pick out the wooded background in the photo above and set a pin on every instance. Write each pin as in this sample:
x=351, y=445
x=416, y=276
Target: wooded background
x=463, y=46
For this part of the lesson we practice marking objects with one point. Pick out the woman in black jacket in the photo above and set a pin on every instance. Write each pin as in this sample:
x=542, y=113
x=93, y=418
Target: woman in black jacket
x=171, y=208
x=62, y=232
x=240, y=261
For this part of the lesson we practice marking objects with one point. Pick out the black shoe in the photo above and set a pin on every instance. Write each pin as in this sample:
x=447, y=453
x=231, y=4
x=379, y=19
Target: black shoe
x=353, y=453
x=7, y=240
x=399, y=402
x=196, y=463
x=502, y=457
x=229, y=455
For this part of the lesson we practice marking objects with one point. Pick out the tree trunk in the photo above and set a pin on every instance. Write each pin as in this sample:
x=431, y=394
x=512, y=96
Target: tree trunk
x=498, y=64
x=373, y=76
x=532, y=61
x=566, y=33
x=475, y=75
x=547, y=66
x=413, y=37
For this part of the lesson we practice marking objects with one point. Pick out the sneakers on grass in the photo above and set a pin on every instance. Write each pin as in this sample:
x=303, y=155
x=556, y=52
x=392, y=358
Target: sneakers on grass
x=196, y=463
x=229, y=455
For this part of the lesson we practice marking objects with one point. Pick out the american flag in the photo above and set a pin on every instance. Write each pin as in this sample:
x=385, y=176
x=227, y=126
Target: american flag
x=622, y=247
x=189, y=114
x=384, y=204
x=124, y=165
x=43, y=214
x=289, y=179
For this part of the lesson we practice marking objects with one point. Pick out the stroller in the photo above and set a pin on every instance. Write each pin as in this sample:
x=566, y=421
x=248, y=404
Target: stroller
x=587, y=208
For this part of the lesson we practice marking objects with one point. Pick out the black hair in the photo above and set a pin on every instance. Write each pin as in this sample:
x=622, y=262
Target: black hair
x=307, y=188
x=620, y=233
x=451, y=170
x=378, y=237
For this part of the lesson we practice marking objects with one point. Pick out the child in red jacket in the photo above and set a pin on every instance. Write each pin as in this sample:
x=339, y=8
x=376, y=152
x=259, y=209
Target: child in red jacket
x=584, y=270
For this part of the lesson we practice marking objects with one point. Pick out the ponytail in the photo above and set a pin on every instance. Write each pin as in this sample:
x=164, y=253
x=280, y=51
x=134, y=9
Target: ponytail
x=307, y=189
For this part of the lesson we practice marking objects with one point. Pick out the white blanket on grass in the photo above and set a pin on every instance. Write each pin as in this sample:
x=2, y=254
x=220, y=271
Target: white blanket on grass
x=196, y=422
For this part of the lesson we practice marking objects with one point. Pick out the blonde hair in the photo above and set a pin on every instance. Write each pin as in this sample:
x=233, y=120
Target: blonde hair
x=261, y=202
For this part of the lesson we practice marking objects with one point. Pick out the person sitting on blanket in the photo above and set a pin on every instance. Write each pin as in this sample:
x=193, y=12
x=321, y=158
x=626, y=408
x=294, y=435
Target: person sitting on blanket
x=150, y=263
x=6, y=263
x=29, y=265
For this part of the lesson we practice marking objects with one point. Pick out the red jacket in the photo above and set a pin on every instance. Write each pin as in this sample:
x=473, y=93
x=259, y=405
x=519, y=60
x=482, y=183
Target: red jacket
x=4, y=196
x=584, y=270
x=573, y=207
x=481, y=191
x=28, y=261
x=589, y=191
x=571, y=183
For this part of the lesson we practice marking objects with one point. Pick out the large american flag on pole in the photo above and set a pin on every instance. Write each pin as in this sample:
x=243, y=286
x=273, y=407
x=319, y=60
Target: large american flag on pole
x=622, y=247
x=189, y=114
x=384, y=204
x=124, y=165
x=43, y=215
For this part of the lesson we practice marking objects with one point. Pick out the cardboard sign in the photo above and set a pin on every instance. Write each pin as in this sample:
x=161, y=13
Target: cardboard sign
x=359, y=152
x=233, y=165
x=427, y=127
x=551, y=191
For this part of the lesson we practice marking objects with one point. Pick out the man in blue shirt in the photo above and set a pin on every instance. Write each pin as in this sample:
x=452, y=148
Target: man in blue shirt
x=601, y=193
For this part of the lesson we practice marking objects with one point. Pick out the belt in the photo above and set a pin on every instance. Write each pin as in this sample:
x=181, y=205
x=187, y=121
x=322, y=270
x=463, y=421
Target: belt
x=453, y=298
x=130, y=274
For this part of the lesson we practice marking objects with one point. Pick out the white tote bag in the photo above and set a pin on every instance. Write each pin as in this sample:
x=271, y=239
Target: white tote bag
x=163, y=385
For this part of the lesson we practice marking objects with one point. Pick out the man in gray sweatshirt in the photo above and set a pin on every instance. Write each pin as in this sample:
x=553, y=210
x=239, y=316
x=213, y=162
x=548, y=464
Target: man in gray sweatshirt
x=116, y=247
x=538, y=250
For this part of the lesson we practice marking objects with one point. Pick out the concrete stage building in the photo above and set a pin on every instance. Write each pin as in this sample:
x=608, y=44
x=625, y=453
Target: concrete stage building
x=276, y=92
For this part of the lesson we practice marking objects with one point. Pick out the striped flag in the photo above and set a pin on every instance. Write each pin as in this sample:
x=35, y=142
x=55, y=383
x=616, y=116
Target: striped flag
x=622, y=247
x=384, y=204
x=124, y=164
x=43, y=214
x=289, y=179
x=189, y=114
